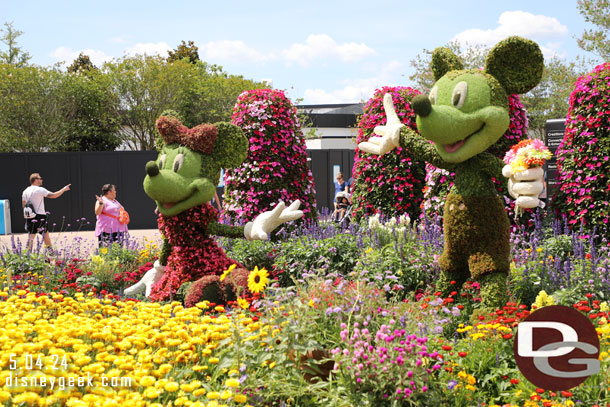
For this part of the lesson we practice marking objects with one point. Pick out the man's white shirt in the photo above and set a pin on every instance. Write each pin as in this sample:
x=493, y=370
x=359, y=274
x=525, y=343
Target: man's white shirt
x=36, y=196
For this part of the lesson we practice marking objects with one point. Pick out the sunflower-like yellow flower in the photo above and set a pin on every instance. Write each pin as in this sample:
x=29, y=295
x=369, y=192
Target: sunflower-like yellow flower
x=243, y=303
x=258, y=279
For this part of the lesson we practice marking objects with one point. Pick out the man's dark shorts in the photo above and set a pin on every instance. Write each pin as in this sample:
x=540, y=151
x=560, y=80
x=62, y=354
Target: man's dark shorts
x=38, y=224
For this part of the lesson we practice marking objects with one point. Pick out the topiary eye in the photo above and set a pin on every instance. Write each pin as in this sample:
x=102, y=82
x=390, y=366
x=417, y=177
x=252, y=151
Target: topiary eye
x=178, y=161
x=162, y=161
x=459, y=94
x=432, y=95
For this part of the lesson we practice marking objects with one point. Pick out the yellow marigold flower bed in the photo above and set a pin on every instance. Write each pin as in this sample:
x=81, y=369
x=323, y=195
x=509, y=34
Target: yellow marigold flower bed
x=86, y=351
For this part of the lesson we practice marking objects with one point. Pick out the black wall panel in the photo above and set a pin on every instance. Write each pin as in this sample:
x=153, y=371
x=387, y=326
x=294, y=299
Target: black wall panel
x=88, y=171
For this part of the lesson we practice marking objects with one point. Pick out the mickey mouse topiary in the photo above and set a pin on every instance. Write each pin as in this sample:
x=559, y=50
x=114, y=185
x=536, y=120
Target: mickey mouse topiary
x=465, y=113
x=182, y=181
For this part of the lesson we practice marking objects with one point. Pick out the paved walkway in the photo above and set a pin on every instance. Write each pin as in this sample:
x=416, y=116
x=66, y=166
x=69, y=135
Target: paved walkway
x=86, y=237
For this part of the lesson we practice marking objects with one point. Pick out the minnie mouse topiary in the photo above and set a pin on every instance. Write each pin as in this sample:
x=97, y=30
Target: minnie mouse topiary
x=182, y=181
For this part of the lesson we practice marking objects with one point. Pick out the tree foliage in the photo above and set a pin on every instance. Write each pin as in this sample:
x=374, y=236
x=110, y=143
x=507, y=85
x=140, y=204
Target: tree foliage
x=91, y=123
x=596, y=40
x=44, y=109
x=211, y=99
x=148, y=85
x=14, y=55
x=82, y=64
x=550, y=99
x=31, y=109
x=184, y=50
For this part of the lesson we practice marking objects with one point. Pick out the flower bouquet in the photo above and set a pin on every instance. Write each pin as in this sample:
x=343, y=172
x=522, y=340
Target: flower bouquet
x=523, y=162
x=526, y=154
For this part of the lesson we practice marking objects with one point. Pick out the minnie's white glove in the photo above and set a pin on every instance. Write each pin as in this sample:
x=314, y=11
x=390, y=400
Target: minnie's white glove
x=525, y=186
x=266, y=222
x=148, y=280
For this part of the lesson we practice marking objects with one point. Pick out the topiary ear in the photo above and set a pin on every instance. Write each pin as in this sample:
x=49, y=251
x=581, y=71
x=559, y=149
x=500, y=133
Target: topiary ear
x=443, y=61
x=516, y=63
x=231, y=146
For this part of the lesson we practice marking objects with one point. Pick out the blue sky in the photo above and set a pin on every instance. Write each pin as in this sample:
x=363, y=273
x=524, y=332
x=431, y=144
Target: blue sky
x=320, y=51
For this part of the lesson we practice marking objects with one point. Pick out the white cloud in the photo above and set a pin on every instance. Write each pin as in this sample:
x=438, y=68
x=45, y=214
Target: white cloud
x=319, y=46
x=117, y=40
x=537, y=27
x=356, y=90
x=232, y=51
x=551, y=51
x=68, y=55
x=348, y=94
x=149, y=48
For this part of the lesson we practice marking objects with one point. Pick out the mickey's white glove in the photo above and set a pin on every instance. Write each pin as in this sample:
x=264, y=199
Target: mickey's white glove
x=266, y=222
x=148, y=280
x=525, y=186
x=390, y=132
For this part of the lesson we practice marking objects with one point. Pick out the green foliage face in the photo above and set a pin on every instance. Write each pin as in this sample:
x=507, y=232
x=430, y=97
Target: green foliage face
x=184, y=180
x=469, y=109
x=464, y=120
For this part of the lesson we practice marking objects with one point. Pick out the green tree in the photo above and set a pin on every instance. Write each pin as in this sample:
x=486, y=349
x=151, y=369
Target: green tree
x=213, y=95
x=82, y=63
x=550, y=99
x=596, y=40
x=14, y=55
x=90, y=113
x=184, y=50
x=146, y=86
x=31, y=109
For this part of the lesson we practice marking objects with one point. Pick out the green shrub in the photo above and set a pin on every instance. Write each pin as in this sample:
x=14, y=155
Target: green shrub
x=122, y=255
x=25, y=263
x=399, y=269
x=251, y=253
x=337, y=255
x=560, y=246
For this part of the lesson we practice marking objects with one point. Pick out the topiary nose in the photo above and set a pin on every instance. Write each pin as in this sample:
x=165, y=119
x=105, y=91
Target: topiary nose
x=421, y=105
x=152, y=169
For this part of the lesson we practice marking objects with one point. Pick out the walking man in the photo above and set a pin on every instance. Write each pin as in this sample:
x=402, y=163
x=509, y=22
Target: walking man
x=36, y=194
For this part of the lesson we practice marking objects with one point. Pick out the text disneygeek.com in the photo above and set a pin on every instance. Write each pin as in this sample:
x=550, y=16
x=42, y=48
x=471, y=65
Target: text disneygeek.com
x=26, y=371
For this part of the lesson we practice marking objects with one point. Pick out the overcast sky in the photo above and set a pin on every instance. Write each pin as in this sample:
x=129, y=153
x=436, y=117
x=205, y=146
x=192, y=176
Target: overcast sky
x=320, y=51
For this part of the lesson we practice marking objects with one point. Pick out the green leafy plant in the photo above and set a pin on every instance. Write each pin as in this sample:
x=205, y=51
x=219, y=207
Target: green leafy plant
x=337, y=254
x=257, y=253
